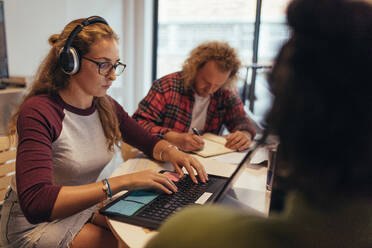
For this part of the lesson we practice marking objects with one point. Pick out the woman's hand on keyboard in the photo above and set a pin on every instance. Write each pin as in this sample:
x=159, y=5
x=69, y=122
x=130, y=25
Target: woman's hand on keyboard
x=149, y=179
x=180, y=159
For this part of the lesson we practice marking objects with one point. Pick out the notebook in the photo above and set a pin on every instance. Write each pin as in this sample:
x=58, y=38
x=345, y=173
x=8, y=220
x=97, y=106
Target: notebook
x=213, y=145
x=149, y=208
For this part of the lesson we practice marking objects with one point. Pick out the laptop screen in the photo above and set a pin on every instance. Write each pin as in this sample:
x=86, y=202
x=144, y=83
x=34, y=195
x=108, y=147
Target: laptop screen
x=236, y=174
x=278, y=194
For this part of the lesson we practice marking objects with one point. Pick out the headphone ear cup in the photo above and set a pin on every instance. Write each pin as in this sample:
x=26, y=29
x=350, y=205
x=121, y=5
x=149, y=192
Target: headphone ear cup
x=70, y=61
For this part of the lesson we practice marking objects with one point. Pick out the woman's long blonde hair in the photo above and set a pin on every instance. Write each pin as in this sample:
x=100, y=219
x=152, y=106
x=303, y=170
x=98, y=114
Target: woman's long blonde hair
x=222, y=53
x=50, y=78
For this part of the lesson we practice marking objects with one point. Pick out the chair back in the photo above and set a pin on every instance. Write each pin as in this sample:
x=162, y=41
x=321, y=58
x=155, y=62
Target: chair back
x=8, y=154
x=128, y=151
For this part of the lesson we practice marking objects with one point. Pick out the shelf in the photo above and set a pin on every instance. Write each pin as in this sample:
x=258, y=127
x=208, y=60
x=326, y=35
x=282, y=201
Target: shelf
x=10, y=90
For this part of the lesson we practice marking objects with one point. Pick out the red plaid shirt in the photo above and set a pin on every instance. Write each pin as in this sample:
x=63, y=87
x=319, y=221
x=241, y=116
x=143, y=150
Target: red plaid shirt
x=168, y=106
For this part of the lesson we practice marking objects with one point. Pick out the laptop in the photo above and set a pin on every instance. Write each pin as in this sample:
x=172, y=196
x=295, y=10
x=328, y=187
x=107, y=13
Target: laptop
x=278, y=194
x=149, y=208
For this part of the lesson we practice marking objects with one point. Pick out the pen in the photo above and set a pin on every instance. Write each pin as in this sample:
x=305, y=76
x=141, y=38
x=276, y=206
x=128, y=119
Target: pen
x=195, y=130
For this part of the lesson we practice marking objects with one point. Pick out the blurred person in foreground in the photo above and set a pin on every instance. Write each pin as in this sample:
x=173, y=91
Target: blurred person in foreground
x=322, y=114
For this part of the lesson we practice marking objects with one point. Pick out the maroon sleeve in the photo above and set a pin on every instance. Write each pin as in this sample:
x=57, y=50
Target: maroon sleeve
x=38, y=125
x=134, y=134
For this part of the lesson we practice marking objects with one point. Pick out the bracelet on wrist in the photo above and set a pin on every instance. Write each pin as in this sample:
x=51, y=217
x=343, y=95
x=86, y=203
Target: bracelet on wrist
x=106, y=188
x=165, y=149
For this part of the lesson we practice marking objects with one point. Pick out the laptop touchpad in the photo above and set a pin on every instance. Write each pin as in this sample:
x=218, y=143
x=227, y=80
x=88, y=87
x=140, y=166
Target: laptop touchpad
x=133, y=202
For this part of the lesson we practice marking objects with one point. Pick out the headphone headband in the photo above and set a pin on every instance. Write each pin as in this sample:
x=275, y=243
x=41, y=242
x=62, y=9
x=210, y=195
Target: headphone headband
x=93, y=19
x=69, y=57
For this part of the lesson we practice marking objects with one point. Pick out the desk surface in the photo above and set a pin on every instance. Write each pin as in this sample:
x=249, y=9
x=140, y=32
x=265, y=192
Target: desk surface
x=249, y=192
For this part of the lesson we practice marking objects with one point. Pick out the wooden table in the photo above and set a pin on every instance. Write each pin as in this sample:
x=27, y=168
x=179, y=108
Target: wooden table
x=249, y=192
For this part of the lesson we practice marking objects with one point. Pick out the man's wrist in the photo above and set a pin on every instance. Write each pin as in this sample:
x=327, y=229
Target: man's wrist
x=171, y=136
x=163, y=132
x=247, y=134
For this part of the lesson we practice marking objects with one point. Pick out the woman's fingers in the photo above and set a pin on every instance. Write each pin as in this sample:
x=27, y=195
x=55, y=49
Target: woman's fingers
x=190, y=164
x=179, y=170
x=162, y=181
x=199, y=169
x=190, y=170
x=150, y=178
x=161, y=187
x=179, y=160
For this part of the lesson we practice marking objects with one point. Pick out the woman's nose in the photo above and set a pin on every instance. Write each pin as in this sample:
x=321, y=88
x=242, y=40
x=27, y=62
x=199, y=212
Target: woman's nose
x=111, y=74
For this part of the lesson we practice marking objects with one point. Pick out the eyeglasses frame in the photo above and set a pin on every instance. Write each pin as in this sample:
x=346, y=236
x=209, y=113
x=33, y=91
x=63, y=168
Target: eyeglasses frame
x=113, y=66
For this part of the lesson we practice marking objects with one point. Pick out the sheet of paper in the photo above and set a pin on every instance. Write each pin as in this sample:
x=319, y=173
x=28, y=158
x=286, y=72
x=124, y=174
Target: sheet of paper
x=260, y=155
x=231, y=158
x=216, y=167
x=215, y=138
x=212, y=148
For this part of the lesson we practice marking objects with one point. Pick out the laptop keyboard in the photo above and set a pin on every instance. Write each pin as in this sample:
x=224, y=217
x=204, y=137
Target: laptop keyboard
x=164, y=205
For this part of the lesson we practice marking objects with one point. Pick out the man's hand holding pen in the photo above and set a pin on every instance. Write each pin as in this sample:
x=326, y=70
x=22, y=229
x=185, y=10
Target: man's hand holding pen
x=185, y=141
x=195, y=131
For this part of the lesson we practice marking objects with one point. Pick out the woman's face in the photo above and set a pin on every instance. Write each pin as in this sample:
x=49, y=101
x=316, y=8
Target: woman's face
x=89, y=80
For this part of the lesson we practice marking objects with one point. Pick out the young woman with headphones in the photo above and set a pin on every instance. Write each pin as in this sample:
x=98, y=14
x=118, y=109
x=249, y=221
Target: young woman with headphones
x=67, y=127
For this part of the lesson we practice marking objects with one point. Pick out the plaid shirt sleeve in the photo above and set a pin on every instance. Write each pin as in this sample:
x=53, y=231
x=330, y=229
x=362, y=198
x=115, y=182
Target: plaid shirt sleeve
x=151, y=110
x=235, y=117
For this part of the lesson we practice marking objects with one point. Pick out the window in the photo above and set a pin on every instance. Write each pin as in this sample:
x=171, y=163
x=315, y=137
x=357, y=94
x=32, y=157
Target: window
x=183, y=24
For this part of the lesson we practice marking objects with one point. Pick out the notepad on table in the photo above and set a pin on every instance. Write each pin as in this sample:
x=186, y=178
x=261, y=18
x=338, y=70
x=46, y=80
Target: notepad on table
x=213, y=145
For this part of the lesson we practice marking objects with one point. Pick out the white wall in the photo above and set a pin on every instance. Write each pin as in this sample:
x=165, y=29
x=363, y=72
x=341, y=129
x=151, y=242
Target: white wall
x=28, y=26
x=137, y=52
x=29, y=23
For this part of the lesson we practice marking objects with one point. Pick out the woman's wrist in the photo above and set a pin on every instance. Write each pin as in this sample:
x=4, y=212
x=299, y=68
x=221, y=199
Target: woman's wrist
x=164, y=153
x=120, y=183
x=106, y=187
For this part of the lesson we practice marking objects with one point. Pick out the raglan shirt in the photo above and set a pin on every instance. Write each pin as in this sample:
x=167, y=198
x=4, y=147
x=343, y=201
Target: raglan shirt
x=60, y=145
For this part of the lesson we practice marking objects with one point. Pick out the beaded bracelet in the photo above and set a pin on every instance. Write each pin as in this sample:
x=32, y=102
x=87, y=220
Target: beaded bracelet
x=106, y=188
x=166, y=148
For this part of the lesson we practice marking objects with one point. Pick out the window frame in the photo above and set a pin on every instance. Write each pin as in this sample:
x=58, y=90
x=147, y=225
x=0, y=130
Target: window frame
x=248, y=90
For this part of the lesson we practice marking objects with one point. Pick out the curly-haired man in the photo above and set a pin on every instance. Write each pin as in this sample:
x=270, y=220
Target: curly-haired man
x=202, y=96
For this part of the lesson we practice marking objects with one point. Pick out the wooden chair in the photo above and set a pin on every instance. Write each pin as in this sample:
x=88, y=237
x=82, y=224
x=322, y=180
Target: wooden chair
x=128, y=151
x=8, y=154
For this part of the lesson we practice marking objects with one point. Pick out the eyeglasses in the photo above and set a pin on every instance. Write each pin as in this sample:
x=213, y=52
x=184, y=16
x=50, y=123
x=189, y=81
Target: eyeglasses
x=104, y=68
